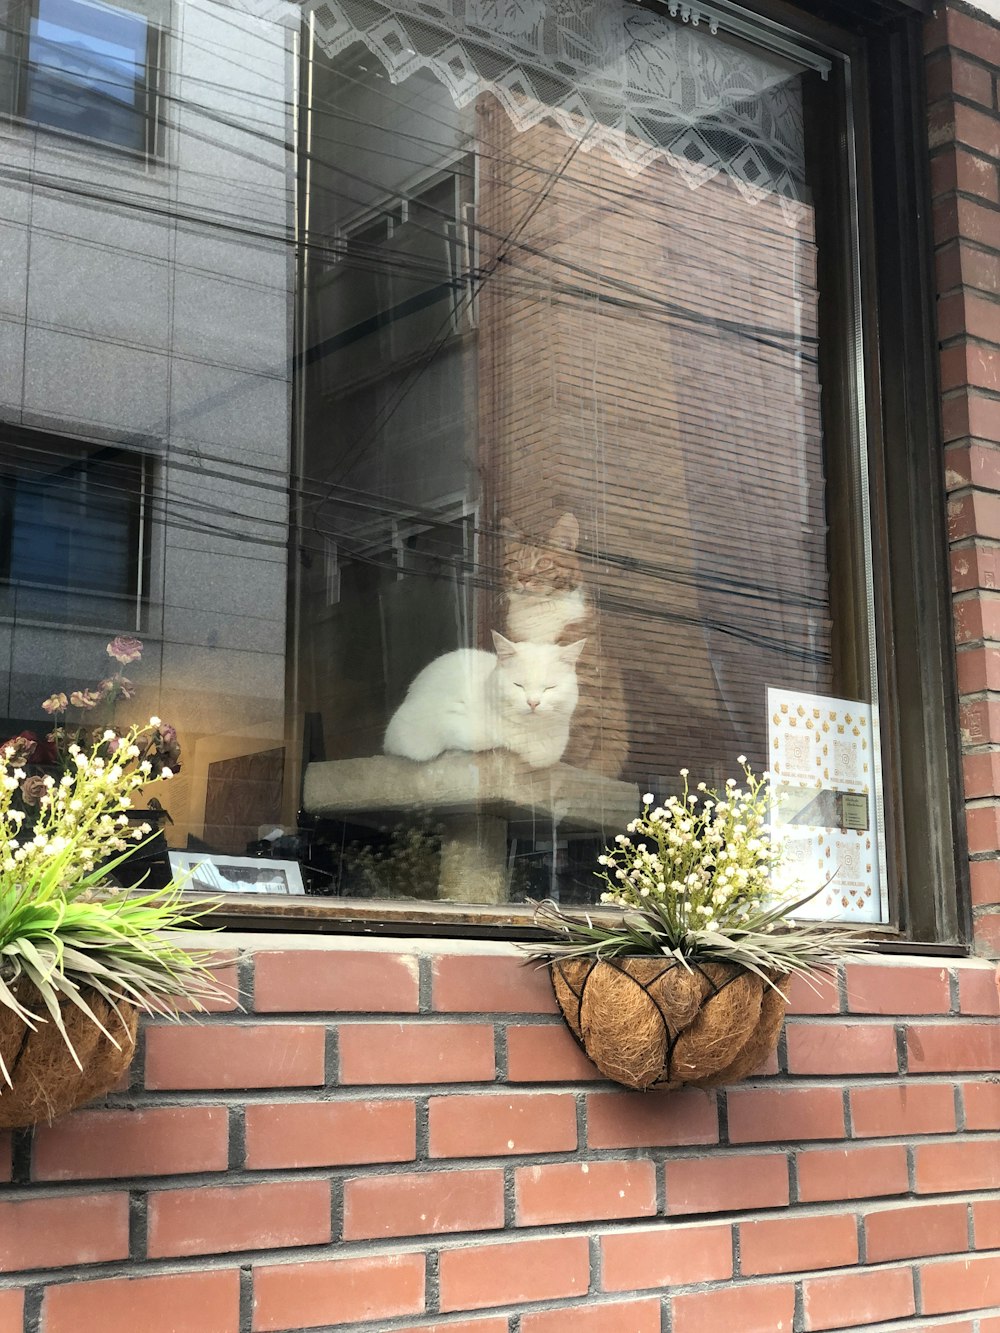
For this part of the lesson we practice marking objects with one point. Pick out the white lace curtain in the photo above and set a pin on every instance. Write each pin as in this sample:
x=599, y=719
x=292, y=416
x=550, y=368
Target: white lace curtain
x=640, y=85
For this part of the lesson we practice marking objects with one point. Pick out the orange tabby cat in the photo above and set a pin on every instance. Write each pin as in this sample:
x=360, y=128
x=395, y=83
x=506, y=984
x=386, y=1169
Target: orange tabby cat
x=548, y=602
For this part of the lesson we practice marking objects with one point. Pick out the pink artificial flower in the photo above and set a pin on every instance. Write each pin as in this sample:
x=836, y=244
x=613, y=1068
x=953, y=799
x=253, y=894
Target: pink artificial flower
x=85, y=698
x=55, y=703
x=32, y=790
x=116, y=687
x=125, y=649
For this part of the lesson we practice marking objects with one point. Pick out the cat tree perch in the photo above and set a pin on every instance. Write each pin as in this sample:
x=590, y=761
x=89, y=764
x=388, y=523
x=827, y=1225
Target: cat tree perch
x=480, y=799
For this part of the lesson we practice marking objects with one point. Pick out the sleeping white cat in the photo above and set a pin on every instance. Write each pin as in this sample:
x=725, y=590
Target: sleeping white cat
x=520, y=699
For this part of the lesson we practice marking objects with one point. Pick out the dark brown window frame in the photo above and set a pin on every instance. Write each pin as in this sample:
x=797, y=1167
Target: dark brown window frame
x=878, y=239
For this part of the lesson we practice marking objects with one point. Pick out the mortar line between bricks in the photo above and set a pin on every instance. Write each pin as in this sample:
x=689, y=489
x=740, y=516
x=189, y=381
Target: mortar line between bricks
x=237, y=1143
x=20, y=1166
x=160, y=1098
x=320, y=1253
x=324, y=1018
x=954, y=992
x=439, y=1165
x=960, y=99
x=245, y=981
x=246, y=1299
x=902, y=1051
x=321, y=1017
x=799, y=1309
x=509, y=1197
x=33, y=1308
x=568, y=1304
x=572, y=1304
x=336, y=1210
x=425, y=984
x=432, y=1281
x=596, y=1267
x=331, y=1056
x=792, y=1161
x=137, y=1069
x=137, y=1225
x=500, y=1053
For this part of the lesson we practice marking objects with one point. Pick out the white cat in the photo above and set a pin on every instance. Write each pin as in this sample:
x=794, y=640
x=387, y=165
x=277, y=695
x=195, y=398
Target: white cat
x=520, y=699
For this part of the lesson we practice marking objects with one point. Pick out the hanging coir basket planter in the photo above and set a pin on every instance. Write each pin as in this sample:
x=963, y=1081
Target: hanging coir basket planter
x=45, y=1079
x=681, y=975
x=653, y=1023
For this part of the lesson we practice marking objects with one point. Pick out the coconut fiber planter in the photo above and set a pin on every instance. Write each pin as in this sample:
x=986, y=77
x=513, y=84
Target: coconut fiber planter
x=652, y=1023
x=46, y=1080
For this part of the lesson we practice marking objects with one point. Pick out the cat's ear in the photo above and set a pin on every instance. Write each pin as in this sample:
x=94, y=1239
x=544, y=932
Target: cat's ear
x=566, y=533
x=571, y=653
x=509, y=532
x=504, y=648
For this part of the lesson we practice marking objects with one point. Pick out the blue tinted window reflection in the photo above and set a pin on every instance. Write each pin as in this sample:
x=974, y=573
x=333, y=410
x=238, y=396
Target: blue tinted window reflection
x=86, y=70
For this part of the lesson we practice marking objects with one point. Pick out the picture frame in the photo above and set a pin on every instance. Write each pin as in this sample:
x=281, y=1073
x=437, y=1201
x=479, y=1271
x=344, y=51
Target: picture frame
x=211, y=873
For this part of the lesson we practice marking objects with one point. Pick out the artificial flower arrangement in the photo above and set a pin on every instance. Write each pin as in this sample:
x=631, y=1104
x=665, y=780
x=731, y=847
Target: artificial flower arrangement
x=80, y=957
x=688, y=984
x=160, y=745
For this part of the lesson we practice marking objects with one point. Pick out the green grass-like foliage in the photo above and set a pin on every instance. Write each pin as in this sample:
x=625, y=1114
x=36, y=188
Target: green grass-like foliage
x=64, y=927
x=692, y=879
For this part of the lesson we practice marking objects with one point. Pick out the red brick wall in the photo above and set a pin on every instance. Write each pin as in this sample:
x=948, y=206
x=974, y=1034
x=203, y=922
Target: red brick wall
x=679, y=447
x=963, y=68
x=400, y=1139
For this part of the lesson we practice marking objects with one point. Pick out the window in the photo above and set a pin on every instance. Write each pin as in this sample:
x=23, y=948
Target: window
x=587, y=326
x=628, y=386
x=72, y=530
x=85, y=67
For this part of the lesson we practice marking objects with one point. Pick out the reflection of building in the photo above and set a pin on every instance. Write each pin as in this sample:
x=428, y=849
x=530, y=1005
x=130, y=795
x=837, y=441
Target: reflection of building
x=145, y=373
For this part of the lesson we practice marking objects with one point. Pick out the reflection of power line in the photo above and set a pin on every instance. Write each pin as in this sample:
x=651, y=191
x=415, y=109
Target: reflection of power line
x=383, y=512
x=443, y=336
x=754, y=630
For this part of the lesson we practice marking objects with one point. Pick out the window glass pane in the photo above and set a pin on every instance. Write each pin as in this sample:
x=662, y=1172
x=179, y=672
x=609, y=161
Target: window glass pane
x=71, y=545
x=481, y=375
x=597, y=334
x=86, y=68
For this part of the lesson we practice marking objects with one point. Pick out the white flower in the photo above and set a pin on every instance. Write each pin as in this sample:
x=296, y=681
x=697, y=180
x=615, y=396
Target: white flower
x=649, y=798
x=741, y=758
x=684, y=772
x=154, y=722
